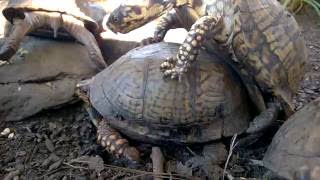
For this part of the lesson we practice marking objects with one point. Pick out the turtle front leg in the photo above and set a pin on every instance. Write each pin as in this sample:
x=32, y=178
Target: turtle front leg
x=114, y=143
x=20, y=28
x=167, y=22
x=76, y=28
x=188, y=51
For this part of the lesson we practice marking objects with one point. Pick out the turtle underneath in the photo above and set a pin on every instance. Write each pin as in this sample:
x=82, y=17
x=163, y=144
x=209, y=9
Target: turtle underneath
x=131, y=98
x=263, y=38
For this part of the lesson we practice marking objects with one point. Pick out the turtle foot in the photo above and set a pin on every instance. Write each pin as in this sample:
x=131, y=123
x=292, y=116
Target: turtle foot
x=76, y=28
x=112, y=141
x=6, y=53
x=20, y=28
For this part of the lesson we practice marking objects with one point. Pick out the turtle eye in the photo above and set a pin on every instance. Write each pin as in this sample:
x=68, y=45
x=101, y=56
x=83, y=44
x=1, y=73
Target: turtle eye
x=114, y=19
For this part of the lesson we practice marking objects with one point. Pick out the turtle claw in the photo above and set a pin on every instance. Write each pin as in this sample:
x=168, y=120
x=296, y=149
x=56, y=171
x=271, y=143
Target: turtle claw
x=148, y=41
x=168, y=64
x=170, y=69
x=20, y=28
x=84, y=83
x=2, y=63
x=173, y=74
x=6, y=53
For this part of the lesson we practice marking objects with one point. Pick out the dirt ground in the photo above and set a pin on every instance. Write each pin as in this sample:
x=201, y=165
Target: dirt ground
x=61, y=143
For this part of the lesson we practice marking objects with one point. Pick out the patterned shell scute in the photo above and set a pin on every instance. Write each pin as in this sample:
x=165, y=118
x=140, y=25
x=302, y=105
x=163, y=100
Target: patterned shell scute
x=296, y=143
x=269, y=43
x=207, y=104
x=16, y=8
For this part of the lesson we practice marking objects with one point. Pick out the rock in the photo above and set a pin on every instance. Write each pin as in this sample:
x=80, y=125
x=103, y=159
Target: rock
x=41, y=77
x=43, y=74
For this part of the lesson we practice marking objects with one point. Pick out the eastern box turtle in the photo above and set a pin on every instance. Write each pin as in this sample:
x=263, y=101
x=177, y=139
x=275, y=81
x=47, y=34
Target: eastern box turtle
x=264, y=39
x=295, y=148
x=131, y=97
x=27, y=16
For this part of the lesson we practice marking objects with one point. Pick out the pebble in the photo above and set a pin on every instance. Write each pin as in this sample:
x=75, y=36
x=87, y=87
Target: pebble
x=3, y=63
x=11, y=135
x=5, y=132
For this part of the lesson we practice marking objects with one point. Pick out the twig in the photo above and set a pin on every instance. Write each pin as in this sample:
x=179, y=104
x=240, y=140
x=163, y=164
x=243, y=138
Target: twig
x=75, y=167
x=12, y=174
x=164, y=176
x=229, y=176
x=157, y=161
x=190, y=150
x=232, y=146
x=140, y=172
x=51, y=172
x=315, y=45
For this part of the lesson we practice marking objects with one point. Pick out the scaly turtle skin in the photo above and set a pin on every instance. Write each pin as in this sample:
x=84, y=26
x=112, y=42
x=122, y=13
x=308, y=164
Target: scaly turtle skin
x=296, y=144
x=263, y=38
x=132, y=97
x=27, y=16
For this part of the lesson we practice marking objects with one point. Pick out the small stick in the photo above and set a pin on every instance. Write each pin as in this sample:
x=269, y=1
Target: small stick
x=12, y=174
x=157, y=161
x=232, y=146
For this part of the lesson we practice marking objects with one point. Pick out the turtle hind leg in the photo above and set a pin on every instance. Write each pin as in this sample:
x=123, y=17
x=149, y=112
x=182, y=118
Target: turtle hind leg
x=260, y=123
x=76, y=28
x=20, y=28
x=108, y=137
x=115, y=144
x=265, y=119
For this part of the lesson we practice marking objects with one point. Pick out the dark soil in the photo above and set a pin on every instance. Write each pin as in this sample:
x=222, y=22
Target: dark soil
x=61, y=144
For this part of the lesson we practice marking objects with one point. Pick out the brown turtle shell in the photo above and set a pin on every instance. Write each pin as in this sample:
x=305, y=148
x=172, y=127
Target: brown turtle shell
x=208, y=103
x=297, y=143
x=16, y=9
x=269, y=44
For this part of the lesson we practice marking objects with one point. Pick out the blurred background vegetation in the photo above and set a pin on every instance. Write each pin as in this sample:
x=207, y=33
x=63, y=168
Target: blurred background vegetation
x=296, y=5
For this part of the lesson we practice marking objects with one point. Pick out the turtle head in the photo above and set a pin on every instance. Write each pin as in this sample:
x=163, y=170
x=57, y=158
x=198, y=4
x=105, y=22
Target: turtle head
x=132, y=14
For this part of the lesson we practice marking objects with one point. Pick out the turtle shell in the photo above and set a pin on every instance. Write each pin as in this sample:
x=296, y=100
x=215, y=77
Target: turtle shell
x=16, y=9
x=296, y=144
x=208, y=103
x=268, y=42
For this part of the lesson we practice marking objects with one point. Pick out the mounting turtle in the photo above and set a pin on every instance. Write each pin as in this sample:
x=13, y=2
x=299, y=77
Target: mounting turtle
x=131, y=98
x=264, y=40
x=295, y=147
x=38, y=16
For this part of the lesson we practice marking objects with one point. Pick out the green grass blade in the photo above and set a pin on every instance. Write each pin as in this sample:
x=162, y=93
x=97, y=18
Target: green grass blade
x=315, y=5
x=286, y=3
